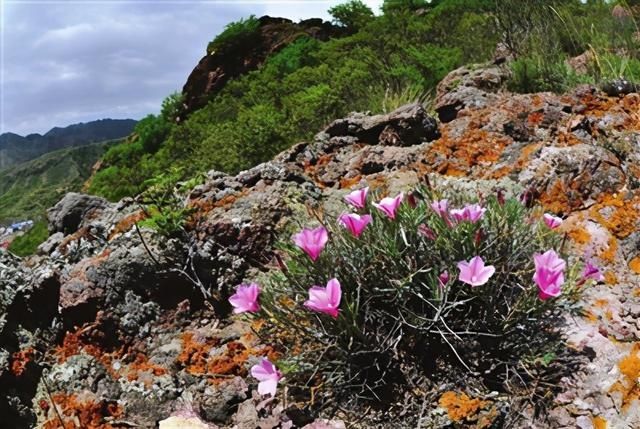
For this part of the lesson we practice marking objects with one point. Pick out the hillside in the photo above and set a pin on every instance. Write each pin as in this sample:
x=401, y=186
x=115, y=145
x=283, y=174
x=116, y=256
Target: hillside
x=127, y=324
x=15, y=149
x=426, y=218
x=28, y=189
x=267, y=83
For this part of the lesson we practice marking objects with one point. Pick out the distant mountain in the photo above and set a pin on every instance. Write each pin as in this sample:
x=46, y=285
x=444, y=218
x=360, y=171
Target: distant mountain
x=15, y=149
x=28, y=189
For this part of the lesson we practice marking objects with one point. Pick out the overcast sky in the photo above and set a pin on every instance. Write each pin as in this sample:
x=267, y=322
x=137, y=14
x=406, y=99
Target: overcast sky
x=72, y=61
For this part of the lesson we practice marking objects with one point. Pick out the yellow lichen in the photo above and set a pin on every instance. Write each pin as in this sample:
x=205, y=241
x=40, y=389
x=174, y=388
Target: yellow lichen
x=599, y=422
x=628, y=385
x=460, y=406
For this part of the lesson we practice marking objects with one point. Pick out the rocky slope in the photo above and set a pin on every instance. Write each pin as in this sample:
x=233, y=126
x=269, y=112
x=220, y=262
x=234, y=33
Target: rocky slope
x=108, y=327
x=215, y=69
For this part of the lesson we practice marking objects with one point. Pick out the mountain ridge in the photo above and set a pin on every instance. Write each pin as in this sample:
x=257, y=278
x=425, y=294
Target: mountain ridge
x=16, y=149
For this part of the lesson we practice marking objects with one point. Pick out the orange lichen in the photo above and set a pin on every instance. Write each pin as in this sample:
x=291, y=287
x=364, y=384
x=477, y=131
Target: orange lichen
x=590, y=316
x=460, y=406
x=196, y=357
x=195, y=353
x=609, y=254
x=87, y=340
x=600, y=303
x=201, y=207
x=556, y=198
x=610, y=278
x=599, y=422
x=20, y=360
x=126, y=223
x=535, y=118
x=623, y=218
x=628, y=385
x=141, y=364
x=579, y=236
x=86, y=414
x=634, y=265
x=349, y=182
x=567, y=139
x=456, y=156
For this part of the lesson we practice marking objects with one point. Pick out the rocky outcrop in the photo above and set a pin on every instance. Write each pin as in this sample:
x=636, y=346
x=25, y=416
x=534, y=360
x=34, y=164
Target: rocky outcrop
x=216, y=69
x=68, y=215
x=139, y=332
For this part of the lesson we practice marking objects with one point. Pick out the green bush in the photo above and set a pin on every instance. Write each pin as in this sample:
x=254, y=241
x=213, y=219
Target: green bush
x=531, y=74
x=353, y=14
x=397, y=313
x=163, y=203
x=27, y=243
x=236, y=34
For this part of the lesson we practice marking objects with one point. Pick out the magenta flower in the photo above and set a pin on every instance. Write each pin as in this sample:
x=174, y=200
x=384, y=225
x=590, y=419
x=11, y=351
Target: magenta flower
x=325, y=299
x=470, y=213
x=549, y=275
x=355, y=223
x=590, y=271
x=441, y=207
x=474, y=272
x=268, y=376
x=552, y=221
x=246, y=299
x=312, y=241
x=443, y=279
x=358, y=198
x=389, y=205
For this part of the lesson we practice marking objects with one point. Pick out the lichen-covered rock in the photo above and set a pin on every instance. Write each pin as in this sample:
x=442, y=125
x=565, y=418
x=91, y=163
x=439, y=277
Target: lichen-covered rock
x=114, y=322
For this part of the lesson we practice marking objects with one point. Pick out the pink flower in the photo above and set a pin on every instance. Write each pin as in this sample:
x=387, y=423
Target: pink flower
x=590, y=271
x=325, y=299
x=312, y=241
x=552, y=221
x=389, y=206
x=474, y=272
x=470, y=213
x=441, y=207
x=549, y=275
x=443, y=279
x=355, y=223
x=246, y=299
x=268, y=376
x=358, y=198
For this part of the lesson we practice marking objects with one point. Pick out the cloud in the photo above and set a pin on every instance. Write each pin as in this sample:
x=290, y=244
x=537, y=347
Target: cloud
x=80, y=61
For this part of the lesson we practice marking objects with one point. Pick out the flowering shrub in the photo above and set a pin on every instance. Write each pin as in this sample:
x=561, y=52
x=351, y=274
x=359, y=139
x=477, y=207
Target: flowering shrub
x=416, y=282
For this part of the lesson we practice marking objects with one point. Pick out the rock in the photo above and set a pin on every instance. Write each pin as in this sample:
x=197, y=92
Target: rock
x=406, y=126
x=621, y=86
x=74, y=211
x=580, y=64
x=567, y=178
x=51, y=243
x=469, y=87
x=185, y=422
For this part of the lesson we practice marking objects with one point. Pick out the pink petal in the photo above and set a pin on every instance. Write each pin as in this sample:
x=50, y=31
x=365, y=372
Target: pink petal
x=485, y=274
x=268, y=387
x=476, y=264
x=334, y=292
x=262, y=371
x=465, y=272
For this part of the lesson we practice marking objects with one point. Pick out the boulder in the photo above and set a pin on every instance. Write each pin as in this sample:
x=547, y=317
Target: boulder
x=73, y=211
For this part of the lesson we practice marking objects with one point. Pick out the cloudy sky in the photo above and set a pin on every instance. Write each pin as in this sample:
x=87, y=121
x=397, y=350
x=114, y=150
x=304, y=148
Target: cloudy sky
x=69, y=61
